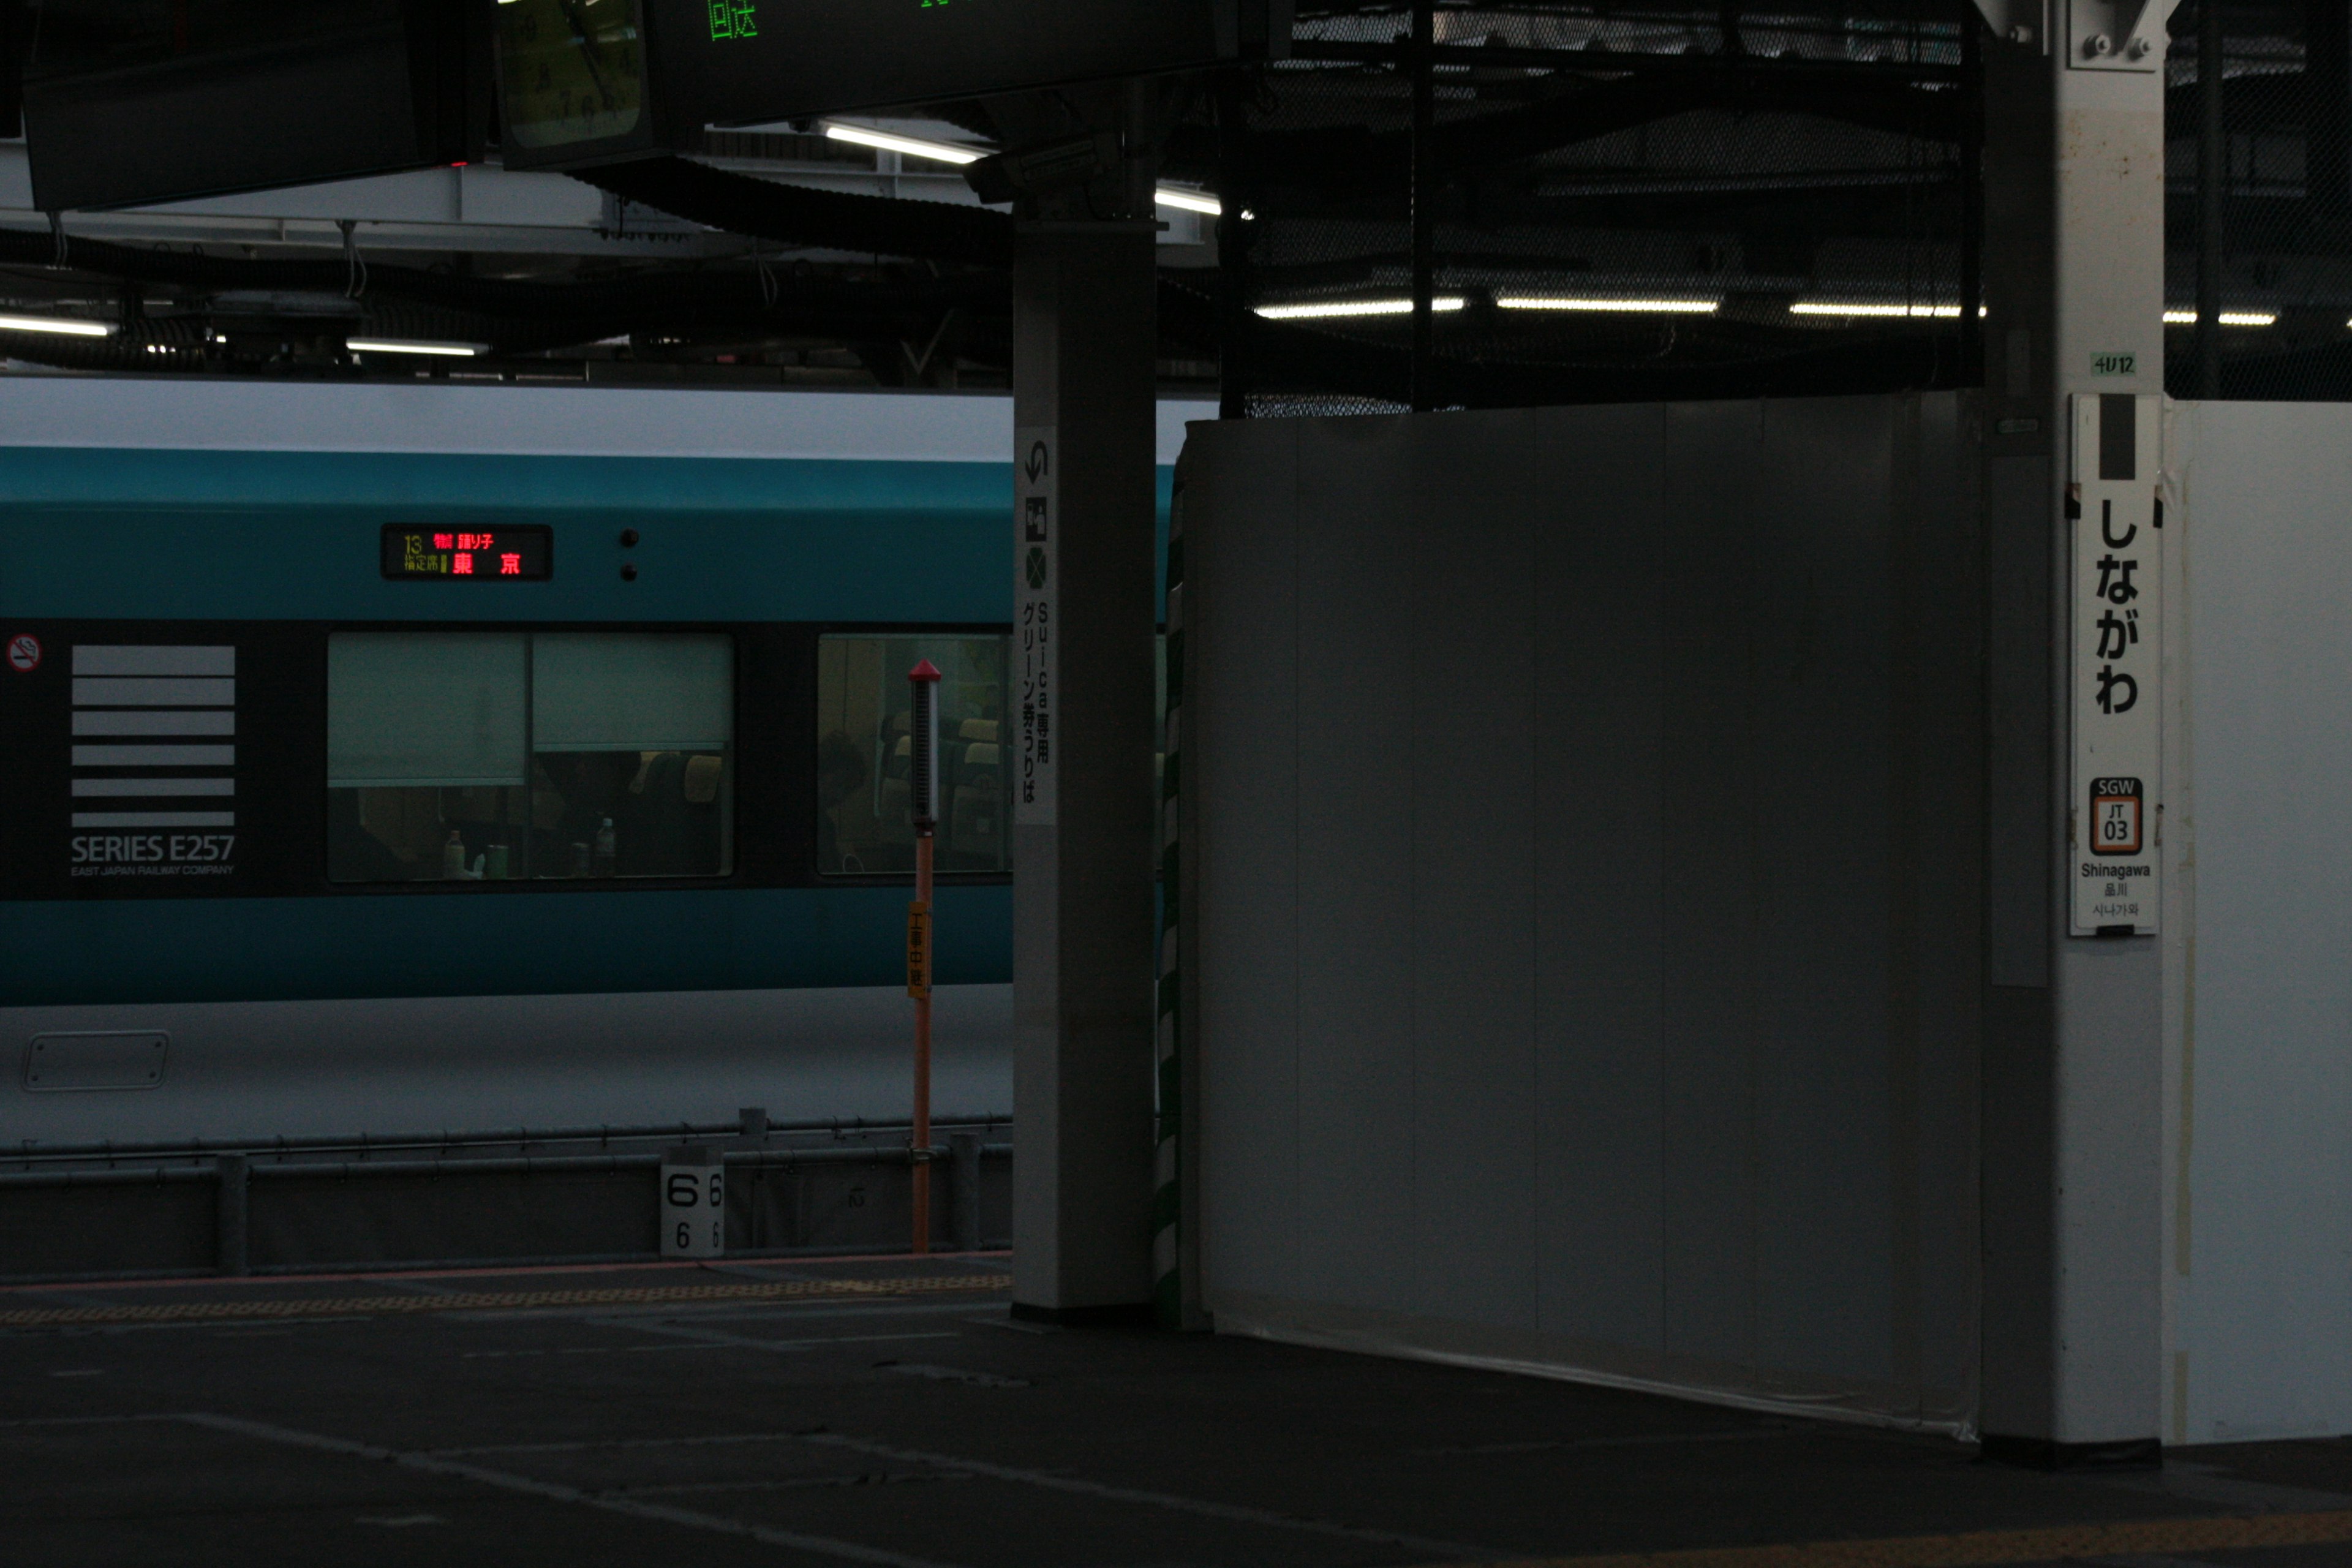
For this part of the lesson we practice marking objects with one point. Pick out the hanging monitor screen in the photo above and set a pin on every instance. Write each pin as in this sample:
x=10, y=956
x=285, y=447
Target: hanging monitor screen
x=588, y=81
x=747, y=60
x=467, y=553
x=131, y=103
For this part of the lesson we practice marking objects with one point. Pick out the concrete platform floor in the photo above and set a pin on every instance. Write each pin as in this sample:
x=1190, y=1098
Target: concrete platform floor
x=890, y=1412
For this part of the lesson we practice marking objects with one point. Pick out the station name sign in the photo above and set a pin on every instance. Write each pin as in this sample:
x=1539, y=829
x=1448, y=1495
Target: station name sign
x=467, y=552
x=2118, y=668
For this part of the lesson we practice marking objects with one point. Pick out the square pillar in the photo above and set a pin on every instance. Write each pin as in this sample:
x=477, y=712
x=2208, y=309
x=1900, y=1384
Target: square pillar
x=2073, y=1063
x=1084, y=839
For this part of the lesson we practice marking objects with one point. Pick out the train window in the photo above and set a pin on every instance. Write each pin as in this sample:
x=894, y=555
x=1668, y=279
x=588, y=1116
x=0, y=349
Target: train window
x=865, y=823
x=481, y=756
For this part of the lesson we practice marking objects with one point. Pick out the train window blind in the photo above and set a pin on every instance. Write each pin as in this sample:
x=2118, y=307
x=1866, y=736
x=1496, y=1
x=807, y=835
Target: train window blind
x=631, y=692
x=442, y=710
x=483, y=757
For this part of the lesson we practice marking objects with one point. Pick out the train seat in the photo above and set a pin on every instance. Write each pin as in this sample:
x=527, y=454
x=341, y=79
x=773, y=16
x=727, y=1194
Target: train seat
x=976, y=816
x=898, y=825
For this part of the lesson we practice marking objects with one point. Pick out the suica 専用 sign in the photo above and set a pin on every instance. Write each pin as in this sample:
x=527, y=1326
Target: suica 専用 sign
x=1036, y=662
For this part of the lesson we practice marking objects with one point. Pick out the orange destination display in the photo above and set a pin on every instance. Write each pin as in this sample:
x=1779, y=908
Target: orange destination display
x=468, y=552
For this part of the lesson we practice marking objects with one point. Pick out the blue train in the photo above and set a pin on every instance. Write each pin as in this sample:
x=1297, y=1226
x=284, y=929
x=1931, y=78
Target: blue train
x=400, y=759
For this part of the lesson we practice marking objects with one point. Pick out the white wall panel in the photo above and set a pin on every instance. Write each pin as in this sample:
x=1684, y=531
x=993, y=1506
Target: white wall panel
x=1823, y=611
x=1249, y=862
x=1944, y=566
x=1356, y=820
x=2263, y=1115
x=1600, y=711
x=1473, y=894
x=1564, y=902
x=1708, y=868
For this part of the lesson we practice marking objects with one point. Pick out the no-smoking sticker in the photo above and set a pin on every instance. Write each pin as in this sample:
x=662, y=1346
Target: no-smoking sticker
x=24, y=653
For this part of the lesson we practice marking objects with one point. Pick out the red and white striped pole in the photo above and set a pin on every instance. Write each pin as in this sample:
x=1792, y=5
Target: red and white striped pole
x=923, y=791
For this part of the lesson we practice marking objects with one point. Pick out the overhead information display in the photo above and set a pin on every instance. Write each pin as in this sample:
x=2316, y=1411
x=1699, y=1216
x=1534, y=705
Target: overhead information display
x=589, y=81
x=468, y=553
x=127, y=103
x=821, y=55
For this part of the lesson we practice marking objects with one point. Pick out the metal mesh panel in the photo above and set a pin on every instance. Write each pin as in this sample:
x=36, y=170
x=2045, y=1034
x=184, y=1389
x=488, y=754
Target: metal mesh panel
x=1630, y=199
x=2283, y=140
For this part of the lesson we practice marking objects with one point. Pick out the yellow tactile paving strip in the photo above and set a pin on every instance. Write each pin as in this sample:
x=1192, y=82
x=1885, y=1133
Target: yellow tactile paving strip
x=494, y=1301
x=1981, y=1547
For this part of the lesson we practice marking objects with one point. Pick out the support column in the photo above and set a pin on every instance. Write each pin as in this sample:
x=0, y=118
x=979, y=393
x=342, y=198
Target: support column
x=2073, y=1054
x=1236, y=364
x=1083, y=841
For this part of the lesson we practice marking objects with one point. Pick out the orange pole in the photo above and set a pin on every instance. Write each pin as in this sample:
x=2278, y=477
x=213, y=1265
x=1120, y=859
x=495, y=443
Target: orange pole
x=923, y=1058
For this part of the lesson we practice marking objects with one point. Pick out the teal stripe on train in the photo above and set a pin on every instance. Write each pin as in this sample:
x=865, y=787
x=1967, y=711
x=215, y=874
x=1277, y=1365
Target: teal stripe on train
x=292, y=535
x=218, y=950
x=99, y=476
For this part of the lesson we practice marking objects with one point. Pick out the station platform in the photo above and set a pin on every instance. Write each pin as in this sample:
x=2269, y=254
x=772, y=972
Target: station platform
x=892, y=1412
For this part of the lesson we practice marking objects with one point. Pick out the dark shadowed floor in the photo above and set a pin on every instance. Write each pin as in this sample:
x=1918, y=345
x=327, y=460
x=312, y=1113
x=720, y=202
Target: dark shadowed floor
x=889, y=1412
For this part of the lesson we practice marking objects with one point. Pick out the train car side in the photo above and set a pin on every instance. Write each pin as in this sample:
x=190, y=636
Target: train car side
x=249, y=809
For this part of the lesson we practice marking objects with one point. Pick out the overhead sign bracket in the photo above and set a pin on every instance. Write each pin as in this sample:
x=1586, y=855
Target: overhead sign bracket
x=2117, y=34
x=2025, y=23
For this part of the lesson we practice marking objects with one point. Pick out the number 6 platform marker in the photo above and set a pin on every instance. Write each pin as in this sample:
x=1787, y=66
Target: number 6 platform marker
x=693, y=1203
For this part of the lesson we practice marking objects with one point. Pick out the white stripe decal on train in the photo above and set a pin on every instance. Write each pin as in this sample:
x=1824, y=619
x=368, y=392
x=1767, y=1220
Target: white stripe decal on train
x=153, y=787
x=154, y=756
x=159, y=689
x=154, y=722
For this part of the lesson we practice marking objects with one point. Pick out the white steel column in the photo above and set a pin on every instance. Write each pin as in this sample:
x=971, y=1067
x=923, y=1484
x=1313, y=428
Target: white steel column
x=2073, y=1072
x=1082, y=839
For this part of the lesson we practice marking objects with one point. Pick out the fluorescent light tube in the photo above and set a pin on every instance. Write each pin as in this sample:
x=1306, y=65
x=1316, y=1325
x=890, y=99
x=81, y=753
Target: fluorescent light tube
x=412, y=346
x=1638, y=307
x=912, y=146
x=1847, y=307
x=61, y=326
x=1354, y=308
x=2227, y=318
x=1189, y=201
x=948, y=152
